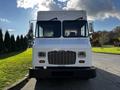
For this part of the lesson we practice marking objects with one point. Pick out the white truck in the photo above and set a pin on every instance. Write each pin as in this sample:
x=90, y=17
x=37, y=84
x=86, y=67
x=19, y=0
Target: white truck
x=62, y=46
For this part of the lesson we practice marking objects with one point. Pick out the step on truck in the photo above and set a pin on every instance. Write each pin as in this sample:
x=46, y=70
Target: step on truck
x=62, y=46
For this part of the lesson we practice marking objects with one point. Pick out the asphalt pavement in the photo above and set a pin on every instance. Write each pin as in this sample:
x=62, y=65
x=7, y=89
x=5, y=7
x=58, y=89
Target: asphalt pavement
x=108, y=77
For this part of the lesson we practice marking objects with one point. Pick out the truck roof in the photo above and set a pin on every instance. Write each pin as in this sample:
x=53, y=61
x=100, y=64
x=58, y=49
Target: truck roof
x=61, y=15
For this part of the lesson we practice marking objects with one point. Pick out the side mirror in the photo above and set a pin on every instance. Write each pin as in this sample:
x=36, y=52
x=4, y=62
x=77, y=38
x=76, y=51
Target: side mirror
x=90, y=27
x=31, y=26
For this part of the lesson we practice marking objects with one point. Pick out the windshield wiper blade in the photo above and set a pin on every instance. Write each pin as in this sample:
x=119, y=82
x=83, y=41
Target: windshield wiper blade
x=53, y=19
x=80, y=18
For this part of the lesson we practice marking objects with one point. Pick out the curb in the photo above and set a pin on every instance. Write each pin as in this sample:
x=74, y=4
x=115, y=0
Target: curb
x=106, y=53
x=18, y=85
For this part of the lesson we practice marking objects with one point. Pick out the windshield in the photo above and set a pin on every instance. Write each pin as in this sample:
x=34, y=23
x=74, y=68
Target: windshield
x=70, y=28
x=48, y=29
x=75, y=28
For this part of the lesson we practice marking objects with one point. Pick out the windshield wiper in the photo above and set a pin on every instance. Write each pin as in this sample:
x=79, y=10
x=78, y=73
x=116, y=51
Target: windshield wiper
x=53, y=19
x=80, y=18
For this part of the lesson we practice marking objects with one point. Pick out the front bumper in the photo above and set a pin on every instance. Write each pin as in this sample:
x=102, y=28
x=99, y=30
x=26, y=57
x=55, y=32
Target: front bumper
x=61, y=72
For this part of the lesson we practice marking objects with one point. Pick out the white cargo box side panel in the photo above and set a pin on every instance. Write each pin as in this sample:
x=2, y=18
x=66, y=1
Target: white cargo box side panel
x=61, y=15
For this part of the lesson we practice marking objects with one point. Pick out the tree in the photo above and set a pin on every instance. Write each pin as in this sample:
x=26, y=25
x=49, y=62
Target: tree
x=29, y=35
x=21, y=42
x=25, y=43
x=18, y=43
x=116, y=42
x=13, y=44
x=114, y=36
x=103, y=39
x=95, y=39
x=111, y=36
x=117, y=31
x=1, y=42
x=7, y=42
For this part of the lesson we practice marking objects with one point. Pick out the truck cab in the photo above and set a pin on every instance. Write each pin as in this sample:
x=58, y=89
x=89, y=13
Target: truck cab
x=62, y=46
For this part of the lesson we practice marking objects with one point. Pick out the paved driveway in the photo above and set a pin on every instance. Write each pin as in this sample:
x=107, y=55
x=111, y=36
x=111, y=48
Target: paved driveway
x=108, y=77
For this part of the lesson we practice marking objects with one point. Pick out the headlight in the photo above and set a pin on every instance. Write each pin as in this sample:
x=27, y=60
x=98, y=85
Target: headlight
x=42, y=54
x=81, y=54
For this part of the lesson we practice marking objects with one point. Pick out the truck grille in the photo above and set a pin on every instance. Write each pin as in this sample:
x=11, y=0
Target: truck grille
x=61, y=57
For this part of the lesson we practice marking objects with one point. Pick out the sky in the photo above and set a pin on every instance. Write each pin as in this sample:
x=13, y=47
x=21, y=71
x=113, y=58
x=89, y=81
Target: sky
x=15, y=14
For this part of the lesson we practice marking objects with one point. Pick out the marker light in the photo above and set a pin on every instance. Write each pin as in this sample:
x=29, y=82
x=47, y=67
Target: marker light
x=81, y=61
x=42, y=61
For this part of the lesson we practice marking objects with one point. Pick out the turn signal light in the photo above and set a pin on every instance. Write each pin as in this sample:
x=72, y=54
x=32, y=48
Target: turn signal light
x=42, y=61
x=81, y=61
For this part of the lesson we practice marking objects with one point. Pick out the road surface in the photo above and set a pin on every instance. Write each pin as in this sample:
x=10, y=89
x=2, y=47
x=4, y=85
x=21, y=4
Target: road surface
x=108, y=77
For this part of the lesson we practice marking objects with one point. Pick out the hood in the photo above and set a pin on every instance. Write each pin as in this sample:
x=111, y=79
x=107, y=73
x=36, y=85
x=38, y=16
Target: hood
x=60, y=42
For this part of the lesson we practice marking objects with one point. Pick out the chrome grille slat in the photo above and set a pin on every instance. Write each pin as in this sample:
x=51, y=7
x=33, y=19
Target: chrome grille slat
x=61, y=57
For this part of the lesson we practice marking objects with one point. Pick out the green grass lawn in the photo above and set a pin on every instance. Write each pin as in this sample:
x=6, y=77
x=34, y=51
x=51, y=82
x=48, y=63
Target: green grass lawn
x=111, y=50
x=14, y=68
